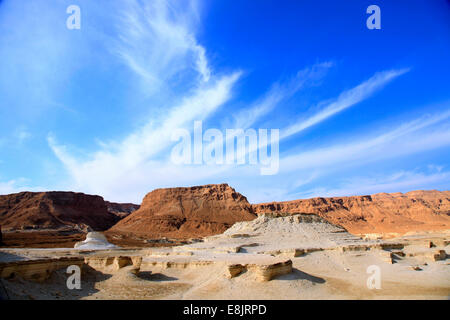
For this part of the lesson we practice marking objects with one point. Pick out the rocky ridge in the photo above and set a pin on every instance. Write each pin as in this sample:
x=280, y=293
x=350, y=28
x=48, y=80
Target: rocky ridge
x=187, y=212
x=379, y=214
x=57, y=210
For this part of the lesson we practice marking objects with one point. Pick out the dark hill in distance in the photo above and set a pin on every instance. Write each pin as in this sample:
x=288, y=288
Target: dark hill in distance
x=59, y=210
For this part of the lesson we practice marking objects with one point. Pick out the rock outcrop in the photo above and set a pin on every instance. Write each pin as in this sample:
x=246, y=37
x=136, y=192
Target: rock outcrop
x=187, y=212
x=55, y=210
x=262, y=272
x=94, y=241
x=121, y=209
x=39, y=270
x=181, y=213
x=379, y=214
x=297, y=235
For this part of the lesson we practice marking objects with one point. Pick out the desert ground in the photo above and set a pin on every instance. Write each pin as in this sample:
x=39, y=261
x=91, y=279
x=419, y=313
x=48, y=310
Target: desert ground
x=294, y=257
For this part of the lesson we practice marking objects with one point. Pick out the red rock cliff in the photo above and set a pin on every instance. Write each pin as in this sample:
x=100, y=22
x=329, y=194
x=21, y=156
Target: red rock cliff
x=52, y=210
x=187, y=212
x=121, y=209
x=378, y=213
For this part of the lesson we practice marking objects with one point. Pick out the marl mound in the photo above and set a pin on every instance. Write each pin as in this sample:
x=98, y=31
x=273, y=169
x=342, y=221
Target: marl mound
x=294, y=257
x=96, y=241
x=378, y=215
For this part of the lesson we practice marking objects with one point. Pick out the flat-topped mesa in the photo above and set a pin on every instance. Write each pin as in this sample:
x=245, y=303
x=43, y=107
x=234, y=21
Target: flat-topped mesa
x=382, y=213
x=188, y=212
x=54, y=210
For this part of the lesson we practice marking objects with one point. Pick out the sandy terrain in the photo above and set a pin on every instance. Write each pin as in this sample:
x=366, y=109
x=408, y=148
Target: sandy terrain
x=67, y=239
x=297, y=257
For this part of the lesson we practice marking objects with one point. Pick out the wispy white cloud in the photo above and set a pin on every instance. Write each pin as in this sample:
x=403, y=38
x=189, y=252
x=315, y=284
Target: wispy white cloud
x=279, y=92
x=139, y=162
x=300, y=170
x=17, y=185
x=155, y=44
x=401, y=181
x=156, y=41
x=345, y=100
x=110, y=166
x=405, y=139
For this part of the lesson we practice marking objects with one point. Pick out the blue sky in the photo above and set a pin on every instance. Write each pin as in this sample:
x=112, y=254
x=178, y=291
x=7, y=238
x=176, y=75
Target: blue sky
x=92, y=110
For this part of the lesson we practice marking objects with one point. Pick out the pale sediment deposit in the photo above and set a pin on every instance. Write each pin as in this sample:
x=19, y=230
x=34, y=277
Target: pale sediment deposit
x=293, y=257
x=94, y=241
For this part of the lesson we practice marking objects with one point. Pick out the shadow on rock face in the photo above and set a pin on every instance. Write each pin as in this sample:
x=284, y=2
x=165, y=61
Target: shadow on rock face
x=8, y=257
x=3, y=292
x=300, y=275
x=55, y=287
x=147, y=275
x=90, y=275
x=89, y=278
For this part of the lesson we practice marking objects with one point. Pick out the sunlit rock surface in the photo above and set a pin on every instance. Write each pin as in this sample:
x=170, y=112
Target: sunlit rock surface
x=94, y=241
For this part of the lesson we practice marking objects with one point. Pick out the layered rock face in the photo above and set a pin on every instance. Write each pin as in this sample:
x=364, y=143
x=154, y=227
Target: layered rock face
x=382, y=213
x=187, y=212
x=121, y=209
x=211, y=209
x=54, y=210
